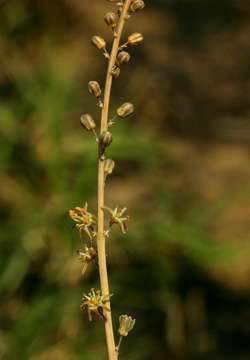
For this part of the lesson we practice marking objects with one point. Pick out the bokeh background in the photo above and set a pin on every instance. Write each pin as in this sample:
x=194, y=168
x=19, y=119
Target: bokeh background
x=182, y=170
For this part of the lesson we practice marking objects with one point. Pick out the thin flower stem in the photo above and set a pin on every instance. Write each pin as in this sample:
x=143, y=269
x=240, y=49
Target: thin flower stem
x=119, y=344
x=101, y=243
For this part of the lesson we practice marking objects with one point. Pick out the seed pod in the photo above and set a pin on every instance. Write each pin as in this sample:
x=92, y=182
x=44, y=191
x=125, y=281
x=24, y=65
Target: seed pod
x=94, y=89
x=116, y=72
x=135, y=39
x=110, y=19
x=123, y=58
x=109, y=166
x=106, y=139
x=99, y=42
x=88, y=122
x=137, y=5
x=125, y=110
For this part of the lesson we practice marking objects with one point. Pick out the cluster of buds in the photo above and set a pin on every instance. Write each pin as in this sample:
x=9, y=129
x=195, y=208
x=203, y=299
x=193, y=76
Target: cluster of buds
x=95, y=303
x=123, y=57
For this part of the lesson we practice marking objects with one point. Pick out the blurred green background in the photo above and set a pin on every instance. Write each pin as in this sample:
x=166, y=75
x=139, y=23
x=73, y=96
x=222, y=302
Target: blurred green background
x=182, y=170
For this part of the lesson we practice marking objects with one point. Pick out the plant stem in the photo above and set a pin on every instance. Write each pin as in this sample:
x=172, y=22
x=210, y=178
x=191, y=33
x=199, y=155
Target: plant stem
x=101, y=243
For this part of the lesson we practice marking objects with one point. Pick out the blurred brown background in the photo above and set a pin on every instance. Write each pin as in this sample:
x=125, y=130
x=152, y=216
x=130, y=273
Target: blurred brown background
x=182, y=170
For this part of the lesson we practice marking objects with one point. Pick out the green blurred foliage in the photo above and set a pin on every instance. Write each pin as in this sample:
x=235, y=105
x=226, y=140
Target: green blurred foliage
x=182, y=170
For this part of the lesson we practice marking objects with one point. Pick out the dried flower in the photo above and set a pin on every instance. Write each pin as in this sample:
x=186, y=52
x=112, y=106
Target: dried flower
x=123, y=58
x=125, y=110
x=106, y=139
x=86, y=256
x=95, y=302
x=116, y=72
x=88, y=122
x=99, y=42
x=126, y=324
x=137, y=5
x=109, y=166
x=110, y=19
x=135, y=39
x=85, y=221
x=117, y=217
x=94, y=89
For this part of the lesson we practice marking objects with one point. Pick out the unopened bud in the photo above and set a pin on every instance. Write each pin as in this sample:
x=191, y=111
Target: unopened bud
x=99, y=42
x=137, y=5
x=125, y=110
x=123, y=57
x=88, y=122
x=116, y=72
x=126, y=324
x=110, y=19
x=109, y=166
x=106, y=139
x=94, y=89
x=135, y=39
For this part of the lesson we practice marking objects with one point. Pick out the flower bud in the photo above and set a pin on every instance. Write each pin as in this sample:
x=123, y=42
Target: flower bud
x=116, y=72
x=94, y=89
x=135, y=39
x=125, y=110
x=109, y=166
x=123, y=58
x=106, y=139
x=126, y=324
x=88, y=122
x=137, y=5
x=110, y=19
x=99, y=42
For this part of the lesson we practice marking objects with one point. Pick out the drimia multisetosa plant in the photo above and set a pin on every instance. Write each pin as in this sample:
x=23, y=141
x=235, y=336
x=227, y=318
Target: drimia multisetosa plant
x=92, y=227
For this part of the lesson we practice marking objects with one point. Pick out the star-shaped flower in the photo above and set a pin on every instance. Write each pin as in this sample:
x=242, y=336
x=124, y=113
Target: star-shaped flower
x=95, y=302
x=85, y=221
x=117, y=217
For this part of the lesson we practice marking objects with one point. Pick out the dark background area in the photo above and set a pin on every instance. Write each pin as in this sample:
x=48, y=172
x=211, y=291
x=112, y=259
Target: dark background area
x=182, y=170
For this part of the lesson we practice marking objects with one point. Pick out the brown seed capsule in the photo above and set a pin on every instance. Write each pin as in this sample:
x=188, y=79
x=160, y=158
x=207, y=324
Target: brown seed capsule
x=135, y=39
x=109, y=166
x=123, y=58
x=94, y=89
x=88, y=122
x=110, y=19
x=116, y=72
x=106, y=139
x=137, y=5
x=99, y=42
x=125, y=110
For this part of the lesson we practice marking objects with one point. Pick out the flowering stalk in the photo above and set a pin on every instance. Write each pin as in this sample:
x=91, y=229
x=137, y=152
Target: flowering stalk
x=98, y=301
x=101, y=246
